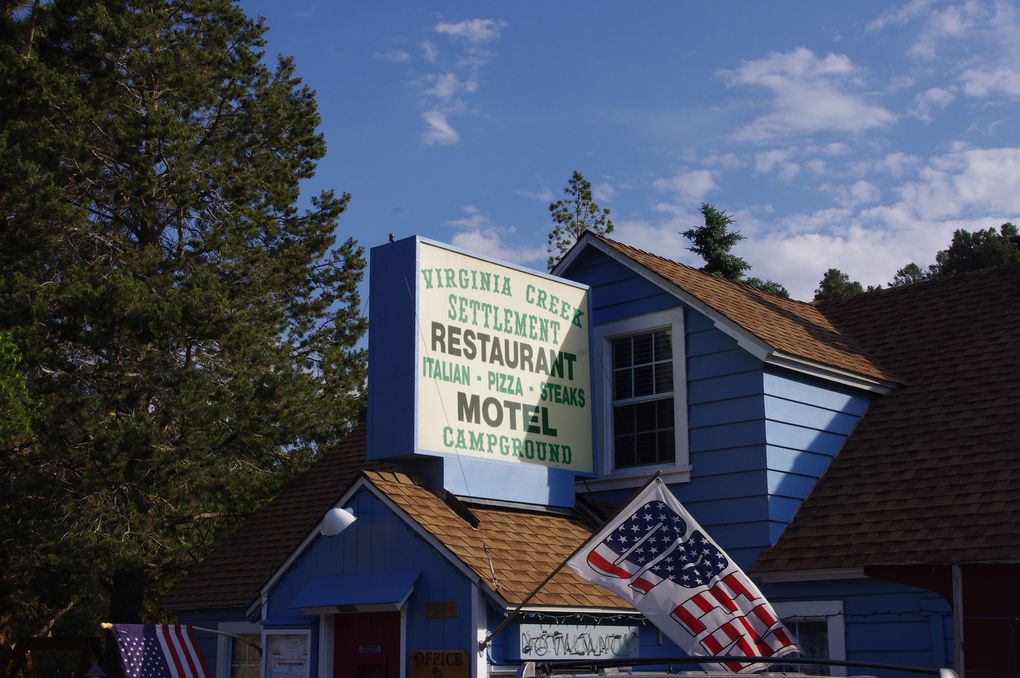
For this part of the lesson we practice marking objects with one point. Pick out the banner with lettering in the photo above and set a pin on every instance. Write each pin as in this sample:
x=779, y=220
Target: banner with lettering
x=655, y=555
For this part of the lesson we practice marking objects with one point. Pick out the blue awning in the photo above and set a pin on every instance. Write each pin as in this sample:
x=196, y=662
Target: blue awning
x=355, y=592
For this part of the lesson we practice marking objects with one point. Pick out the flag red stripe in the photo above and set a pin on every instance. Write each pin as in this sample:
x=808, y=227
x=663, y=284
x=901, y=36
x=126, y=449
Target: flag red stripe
x=188, y=648
x=642, y=585
x=723, y=598
x=762, y=613
x=701, y=601
x=736, y=584
x=749, y=630
x=596, y=560
x=169, y=651
x=712, y=645
x=682, y=615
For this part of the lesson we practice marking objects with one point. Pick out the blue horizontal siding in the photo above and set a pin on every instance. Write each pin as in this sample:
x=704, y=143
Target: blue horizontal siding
x=885, y=622
x=616, y=291
x=724, y=387
x=807, y=423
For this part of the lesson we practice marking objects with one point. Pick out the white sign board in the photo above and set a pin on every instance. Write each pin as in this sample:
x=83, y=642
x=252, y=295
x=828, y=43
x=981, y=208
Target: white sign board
x=503, y=363
x=572, y=641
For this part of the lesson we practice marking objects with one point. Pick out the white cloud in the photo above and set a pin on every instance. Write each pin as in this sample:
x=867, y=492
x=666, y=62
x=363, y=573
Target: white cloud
x=603, y=191
x=778, y=161
x=929, y=100
x=725, y=161
x=809, y=96
x=543, y=194
x=954, y=21
x=979, y=83
x=689, y=187
x=898, y=16
x=439, y=130
x=817, y=166
x=965, y=182
x=448, y=86
x=397, y=56
x=472, y=30
x=429, y=51
x=478, y=234
x=865, y=192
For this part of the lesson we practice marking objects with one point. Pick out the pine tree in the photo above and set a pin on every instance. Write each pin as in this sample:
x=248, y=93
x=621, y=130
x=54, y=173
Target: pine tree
x=188, y=334
x=836, y=284
x=713, y=241
x=574, y=215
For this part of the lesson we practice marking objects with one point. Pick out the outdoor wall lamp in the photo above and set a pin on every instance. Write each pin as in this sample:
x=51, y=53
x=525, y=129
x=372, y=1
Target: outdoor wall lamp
x=336, y=521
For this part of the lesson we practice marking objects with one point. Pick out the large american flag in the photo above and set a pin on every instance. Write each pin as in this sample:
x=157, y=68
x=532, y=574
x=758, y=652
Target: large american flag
x=656, y=556
x=158, y=651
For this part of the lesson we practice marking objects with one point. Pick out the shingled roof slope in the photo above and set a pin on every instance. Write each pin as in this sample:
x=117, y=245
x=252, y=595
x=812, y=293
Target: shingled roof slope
x=792, y=327
x=233, y=574
x=511, y=550
x=931, y=474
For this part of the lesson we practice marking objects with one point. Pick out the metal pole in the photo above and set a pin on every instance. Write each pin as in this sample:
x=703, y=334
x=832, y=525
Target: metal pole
x=958, y=619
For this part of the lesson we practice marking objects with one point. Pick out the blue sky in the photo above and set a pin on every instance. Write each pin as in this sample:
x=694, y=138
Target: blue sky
x=855, y=135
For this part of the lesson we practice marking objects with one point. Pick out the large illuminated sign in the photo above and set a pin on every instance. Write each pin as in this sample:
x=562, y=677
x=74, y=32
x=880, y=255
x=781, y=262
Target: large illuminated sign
x=502, y=367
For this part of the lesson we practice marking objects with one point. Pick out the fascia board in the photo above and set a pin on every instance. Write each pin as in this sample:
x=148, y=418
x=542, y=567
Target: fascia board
x=821, y=371
x=796, y=576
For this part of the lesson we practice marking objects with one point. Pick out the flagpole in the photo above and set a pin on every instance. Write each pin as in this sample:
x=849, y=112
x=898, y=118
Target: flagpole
x=517, y=610
x=107, y=626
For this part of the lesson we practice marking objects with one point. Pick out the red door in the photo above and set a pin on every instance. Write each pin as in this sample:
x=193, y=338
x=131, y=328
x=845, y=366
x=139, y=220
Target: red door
x=367, y=645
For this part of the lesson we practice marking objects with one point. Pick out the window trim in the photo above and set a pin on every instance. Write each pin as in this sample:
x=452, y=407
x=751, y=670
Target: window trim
x=830, y=611
x=224, y=644
x=609, y=476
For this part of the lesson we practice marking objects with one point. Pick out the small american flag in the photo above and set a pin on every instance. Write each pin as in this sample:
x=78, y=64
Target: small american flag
x=158, y=651
x=657, y=557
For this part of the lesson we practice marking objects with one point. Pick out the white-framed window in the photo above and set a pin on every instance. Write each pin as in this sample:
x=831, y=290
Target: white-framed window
x=643, y=399
x=820, y=630
x=237, y=654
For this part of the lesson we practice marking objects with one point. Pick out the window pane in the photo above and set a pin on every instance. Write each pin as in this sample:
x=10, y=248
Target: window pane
x=621, y=386
x=813, y=638
x=645, y=416
x=643, y=381
x=623, y=419
x=667, y=446
x=621, y=352
x=646, y=449
x=642, y=349
x=665, y=412
x=624, y=446
x=663, y=345
x=664, y=377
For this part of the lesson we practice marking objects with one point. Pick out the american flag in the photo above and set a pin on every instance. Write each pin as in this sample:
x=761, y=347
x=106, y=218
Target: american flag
x=158, y=651
x=657, y=557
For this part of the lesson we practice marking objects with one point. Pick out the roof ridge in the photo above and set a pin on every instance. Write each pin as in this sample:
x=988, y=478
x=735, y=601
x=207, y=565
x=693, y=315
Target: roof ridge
x=1001, y=269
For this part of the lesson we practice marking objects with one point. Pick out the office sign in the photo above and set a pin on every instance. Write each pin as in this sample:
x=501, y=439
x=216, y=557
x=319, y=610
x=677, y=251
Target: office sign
x=503, y=362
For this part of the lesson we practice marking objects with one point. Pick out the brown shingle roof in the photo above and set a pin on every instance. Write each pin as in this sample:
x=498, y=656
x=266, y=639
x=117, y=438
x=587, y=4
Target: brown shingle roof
x=233, y=574
x=522, y=546
x=790, y=326
x=931, y=474
x=512, y=551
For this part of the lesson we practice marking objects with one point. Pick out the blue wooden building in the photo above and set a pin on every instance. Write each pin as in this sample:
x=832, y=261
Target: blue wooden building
x=859, y=459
